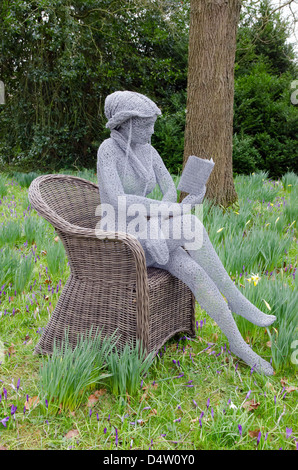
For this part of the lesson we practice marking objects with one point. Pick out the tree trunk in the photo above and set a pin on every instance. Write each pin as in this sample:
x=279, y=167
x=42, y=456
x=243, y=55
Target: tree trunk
x=210, y=92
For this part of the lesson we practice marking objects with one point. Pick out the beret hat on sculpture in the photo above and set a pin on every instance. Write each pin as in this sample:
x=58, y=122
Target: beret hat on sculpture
x=123, y=105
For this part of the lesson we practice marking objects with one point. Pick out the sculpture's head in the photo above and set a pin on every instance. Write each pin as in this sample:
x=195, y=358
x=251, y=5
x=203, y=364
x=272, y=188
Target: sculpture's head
x=131, y=114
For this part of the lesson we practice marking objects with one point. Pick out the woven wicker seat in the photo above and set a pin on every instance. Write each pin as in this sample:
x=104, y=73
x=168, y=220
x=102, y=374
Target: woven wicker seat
x=110, y=286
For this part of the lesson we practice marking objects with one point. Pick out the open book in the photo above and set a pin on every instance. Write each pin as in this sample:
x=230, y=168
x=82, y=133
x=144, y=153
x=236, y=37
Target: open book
x=195, y=174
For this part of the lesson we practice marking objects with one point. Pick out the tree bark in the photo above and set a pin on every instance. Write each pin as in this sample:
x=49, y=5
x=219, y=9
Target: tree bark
x=210, y=92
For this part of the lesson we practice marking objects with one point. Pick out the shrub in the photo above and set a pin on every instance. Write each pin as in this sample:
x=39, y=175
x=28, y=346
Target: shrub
x=246, y=158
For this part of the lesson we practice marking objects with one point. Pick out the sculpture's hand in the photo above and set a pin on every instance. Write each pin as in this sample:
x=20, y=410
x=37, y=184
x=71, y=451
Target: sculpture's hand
x=158, y=249
x=195, y=198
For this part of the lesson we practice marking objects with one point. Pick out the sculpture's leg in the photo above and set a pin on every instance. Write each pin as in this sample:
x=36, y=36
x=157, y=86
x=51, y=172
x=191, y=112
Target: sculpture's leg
x=208, y=259
x=181, y=265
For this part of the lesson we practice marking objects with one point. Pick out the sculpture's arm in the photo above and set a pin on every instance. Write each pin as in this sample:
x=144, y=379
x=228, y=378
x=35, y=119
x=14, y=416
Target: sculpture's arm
x=163, y=178
x=167, y=184
x=194, y=199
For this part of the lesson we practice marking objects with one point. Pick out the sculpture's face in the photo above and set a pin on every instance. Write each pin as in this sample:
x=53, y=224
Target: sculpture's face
x=141, y=129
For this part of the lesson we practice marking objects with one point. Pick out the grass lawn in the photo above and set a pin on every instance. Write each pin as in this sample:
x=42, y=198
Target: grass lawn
x=195, y=395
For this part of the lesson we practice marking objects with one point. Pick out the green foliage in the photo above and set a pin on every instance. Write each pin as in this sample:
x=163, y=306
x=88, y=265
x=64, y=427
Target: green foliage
x=3, y=187
x=246, y=157
x=23, y=273
x=30, y=228
x=290, y=212
x=127, y=368
x=289, y=181
x=25, y=179
x=75, y=55
x=8, y=264
x=263, y=36
x=283, y=301
x=69, y=372
x=10, y=233
x=182, y=377
x=43, y=228
x=265, y=120
x=78, y=53
x=168, y=137
x=55, y=257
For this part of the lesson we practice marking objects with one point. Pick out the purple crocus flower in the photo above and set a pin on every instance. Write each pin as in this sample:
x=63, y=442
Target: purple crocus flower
x=5, y=393
x=240, y=429
x=288, y=432
x=4, y=421
x=259, y=438
x=195, y=403
x=200, y=422
x=212, y=413
x=46, y=402
x=248, y=395
x=90, y=412
x=105, y=430
x=208, y=403
x=116, y=440
x=179, y=376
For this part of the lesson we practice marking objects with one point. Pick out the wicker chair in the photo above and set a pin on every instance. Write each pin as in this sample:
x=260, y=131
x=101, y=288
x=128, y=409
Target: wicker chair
x=109, y=286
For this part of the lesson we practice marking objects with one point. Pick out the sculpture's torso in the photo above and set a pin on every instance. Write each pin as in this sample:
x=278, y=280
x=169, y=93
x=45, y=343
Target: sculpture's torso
x=132, y=183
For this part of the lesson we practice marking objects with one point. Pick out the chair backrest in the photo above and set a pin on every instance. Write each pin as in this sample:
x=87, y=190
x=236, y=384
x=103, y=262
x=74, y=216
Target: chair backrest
x=72, y=198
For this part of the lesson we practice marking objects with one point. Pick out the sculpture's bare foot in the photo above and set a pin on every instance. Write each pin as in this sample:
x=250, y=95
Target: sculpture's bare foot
x=244, y=352
x=246, y=309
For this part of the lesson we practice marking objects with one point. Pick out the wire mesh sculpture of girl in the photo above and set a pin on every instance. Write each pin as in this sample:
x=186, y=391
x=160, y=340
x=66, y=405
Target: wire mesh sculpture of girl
x=128, y=170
